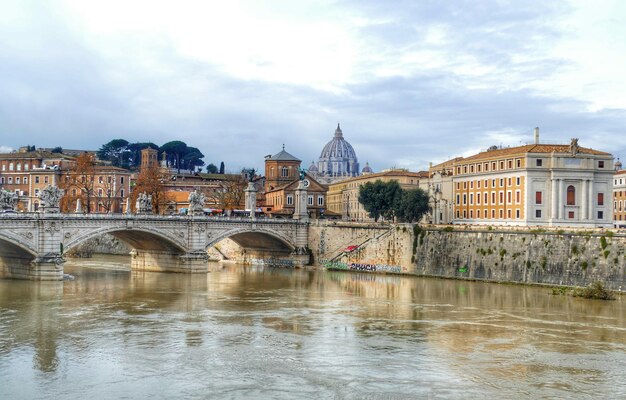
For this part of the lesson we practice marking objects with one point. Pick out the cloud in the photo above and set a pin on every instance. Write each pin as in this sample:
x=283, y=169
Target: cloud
x=410, y=84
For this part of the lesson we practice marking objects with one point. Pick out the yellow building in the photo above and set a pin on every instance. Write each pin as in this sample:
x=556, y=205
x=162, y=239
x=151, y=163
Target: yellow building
x=343, y=197
x=535, y=184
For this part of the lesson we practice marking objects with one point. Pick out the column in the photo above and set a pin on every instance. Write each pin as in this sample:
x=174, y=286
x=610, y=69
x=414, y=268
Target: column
x=251, y=199
x=555, y=190
x=591, y=201
x=560, y=196
x=584, y=209
x=300, y=211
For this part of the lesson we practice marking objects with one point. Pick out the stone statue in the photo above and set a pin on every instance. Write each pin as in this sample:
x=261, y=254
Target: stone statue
x=51, y=197
x=8, y=200
x=144, y=203
x=251, y=175
x=573, y=147
x=301, y=173
x=196, y=201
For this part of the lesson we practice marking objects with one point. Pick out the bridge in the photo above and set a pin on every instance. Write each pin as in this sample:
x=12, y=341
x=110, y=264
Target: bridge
x=33, y=245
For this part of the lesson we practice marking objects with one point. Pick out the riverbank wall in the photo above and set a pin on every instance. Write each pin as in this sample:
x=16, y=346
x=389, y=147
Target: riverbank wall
x=515, y=255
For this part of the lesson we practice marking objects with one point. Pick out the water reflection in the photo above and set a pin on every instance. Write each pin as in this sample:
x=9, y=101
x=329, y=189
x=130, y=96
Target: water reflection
x=255, y=332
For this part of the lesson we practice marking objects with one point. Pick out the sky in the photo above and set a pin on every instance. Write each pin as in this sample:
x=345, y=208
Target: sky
x=411, y=82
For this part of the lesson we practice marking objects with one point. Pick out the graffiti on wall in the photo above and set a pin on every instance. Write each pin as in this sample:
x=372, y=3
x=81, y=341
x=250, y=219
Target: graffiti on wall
x=338, y=265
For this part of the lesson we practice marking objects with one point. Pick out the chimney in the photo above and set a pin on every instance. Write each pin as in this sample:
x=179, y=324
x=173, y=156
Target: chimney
x=537, y=135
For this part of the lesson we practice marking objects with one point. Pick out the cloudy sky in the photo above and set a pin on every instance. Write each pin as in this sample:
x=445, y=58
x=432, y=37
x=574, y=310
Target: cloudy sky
x=410, y=81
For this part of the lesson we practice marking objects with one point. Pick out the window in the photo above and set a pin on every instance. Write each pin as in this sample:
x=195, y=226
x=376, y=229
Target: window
x=73, y=192
x=501, y=182
x=472, y=168
x=600, y=164
x=471, y=199
x=36, y=192
x=539, y=162
x=464, y=185
x=486, y=198
x=100, y=180
x=122, y=180
x=458, y=185
x=518, y=196
x=17, y=180
x=10, y=179
x=501, y=214
x=508, y=214
x=537, y=213
x=570, y=215
x=600, y=198
x=571, y=196
x=478, y=198
x=284, y=172
x=509, y=183
x=289, y=199
x=493, y=166
x=464, y=199
x=493, y=198
x=600, y=215
x=99, y=192
x=517, y=214
x=109, y=179
x=471, y=213
x=19, y=167
x=477, y=213
x=320, y=200
x=501, y=197
x=10, y=166
x=493, y=214
x=472, y=185
x=519, y=163
x=493, y=183
x=121, y=192
x=486, y=167
x=518, y=181
x=25, y=181
x=478, y=184
x=501, y=164
x=510, y=164
x=309, y=200
x=26, y=167
x=45, y=179
x=508, y=197
x=458, y=199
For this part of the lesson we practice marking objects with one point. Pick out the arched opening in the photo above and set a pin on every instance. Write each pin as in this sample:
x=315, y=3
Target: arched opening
x=250, y=248
x=571, y=195
x=15, y=261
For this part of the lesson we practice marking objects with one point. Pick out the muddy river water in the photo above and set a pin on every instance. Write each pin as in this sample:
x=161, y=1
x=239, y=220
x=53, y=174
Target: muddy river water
x=250, y=332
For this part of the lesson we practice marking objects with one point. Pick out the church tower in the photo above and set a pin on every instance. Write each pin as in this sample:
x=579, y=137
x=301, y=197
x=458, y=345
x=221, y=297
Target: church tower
x=280, y=169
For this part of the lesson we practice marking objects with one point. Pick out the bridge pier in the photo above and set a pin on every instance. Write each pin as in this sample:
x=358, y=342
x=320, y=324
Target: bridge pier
x=167, y=261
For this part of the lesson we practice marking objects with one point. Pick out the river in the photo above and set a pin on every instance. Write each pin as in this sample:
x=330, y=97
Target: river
x=252, y=333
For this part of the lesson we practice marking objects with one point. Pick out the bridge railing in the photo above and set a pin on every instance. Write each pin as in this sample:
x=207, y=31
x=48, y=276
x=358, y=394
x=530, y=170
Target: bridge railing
x=142, y=217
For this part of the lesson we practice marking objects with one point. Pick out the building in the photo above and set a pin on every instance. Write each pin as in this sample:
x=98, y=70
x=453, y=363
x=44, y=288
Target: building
x=337, y=161
x=441, y=191
x=535, y=184
x=343, y=197
x=619, y=196
x=282, y=177
x=27, y=172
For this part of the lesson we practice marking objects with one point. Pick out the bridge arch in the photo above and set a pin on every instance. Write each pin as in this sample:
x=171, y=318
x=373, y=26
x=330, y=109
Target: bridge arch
x=15, y=257
x=258, y=239
x=140, y=238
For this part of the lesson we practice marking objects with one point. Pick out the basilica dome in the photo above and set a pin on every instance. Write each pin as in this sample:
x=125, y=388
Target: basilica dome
x=338, y=159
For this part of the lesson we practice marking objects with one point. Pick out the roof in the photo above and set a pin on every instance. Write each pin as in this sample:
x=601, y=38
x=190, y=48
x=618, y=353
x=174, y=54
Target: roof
x=532, y=148
x=32, y=154
x=282, y=156
x=314, y=185
x=620, y=172
x=446, y=164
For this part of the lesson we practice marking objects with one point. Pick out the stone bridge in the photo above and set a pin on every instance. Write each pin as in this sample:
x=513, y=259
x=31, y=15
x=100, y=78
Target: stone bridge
x=32, y=245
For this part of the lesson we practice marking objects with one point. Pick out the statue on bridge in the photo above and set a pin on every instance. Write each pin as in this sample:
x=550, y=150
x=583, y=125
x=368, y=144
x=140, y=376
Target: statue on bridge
x=196, y=202
x=8, y=200
x=144, y=203
x=50, y=196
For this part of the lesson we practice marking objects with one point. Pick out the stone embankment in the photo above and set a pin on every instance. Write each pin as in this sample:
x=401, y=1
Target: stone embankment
x=518, y=255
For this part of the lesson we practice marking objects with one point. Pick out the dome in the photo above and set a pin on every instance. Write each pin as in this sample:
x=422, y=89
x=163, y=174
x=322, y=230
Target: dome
x=367, y=169
x=338, y=160
x=338, y=148
x=313, y=167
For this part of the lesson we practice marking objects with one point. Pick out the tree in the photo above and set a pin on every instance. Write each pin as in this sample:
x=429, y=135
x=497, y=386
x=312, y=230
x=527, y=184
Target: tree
x=116, y=151
x=193, y=158
x=378, y=198
x=211, y=169
x=175, y=150
x=222, y=167
x=411, y=205
x=229, y=194
x=150, y=181
x=79, y=183
x=57, y=149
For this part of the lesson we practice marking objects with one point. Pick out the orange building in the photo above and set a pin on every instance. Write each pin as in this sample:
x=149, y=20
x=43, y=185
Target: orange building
x=536, y=184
